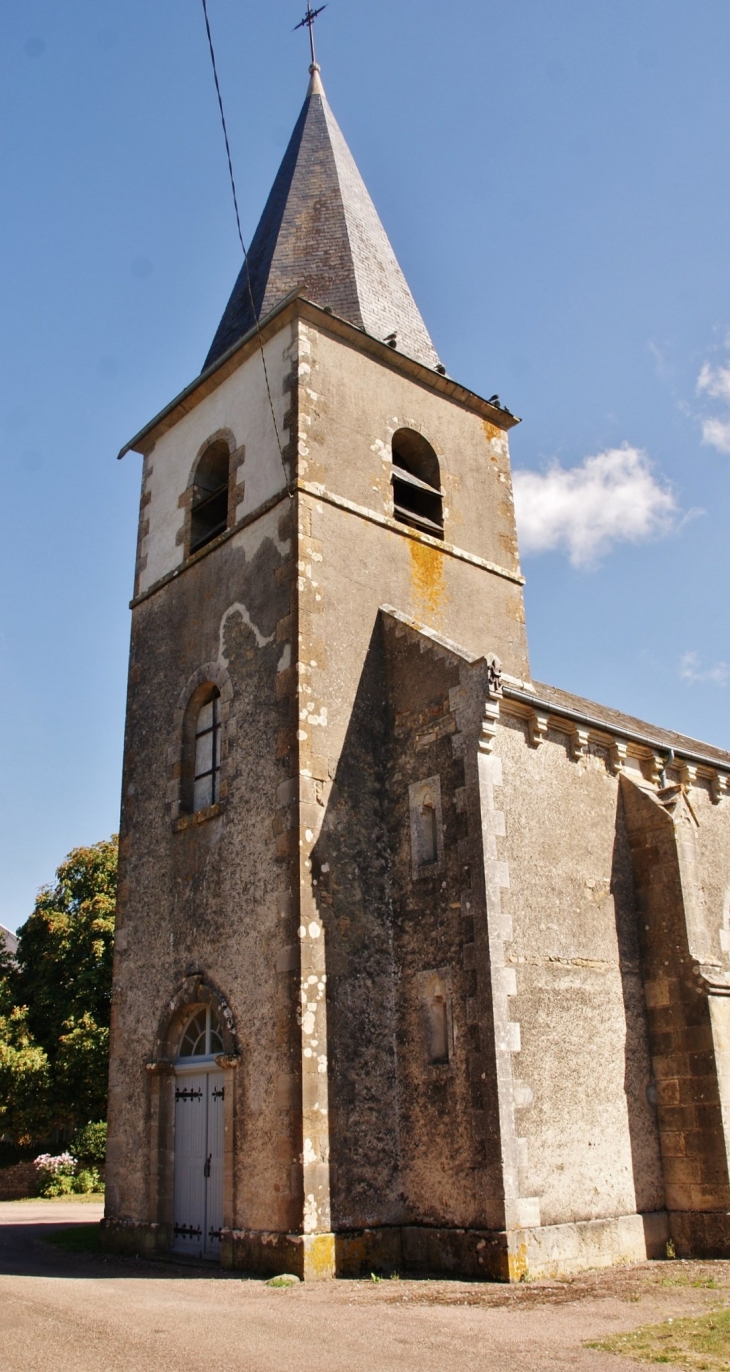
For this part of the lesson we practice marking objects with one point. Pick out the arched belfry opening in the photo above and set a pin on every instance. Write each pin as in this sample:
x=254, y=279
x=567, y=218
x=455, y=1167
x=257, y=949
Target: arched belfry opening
x=416, y=479
x=209, y=511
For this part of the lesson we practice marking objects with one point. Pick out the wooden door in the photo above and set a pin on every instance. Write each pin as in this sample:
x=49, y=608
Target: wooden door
x=198, y=1196
x=214, y=1167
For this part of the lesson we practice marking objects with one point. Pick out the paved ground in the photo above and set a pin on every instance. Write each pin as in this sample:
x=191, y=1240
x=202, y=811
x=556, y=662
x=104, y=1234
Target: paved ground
x=93, y=1314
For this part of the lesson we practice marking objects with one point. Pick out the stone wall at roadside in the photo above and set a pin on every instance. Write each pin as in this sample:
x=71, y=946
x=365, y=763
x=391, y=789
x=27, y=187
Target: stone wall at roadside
x=18, y=1182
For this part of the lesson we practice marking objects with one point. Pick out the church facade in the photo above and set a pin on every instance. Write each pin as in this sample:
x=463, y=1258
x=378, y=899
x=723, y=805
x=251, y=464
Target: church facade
x=420, y=964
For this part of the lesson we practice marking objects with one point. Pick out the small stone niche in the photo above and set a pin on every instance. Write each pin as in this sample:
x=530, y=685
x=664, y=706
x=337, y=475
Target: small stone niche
x=427, y=830
x=436, y=1017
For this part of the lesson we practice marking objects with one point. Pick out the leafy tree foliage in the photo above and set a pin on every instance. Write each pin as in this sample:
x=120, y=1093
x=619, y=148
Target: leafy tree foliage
x=55, y=1001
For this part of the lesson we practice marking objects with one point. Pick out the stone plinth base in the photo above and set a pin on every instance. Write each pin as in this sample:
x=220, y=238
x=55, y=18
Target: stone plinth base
x=135, y=1238
x=561, y=1249
x=308, y=1256
x=547, y=1251
x=700, y=1233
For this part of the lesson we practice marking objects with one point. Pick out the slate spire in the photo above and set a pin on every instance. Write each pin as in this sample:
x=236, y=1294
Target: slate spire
x=320, y=231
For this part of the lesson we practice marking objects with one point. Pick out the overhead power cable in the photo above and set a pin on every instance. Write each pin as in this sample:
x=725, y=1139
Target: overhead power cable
x=238, y=223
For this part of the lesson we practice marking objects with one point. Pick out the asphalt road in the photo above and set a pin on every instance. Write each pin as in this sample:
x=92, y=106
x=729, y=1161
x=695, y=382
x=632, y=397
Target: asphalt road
x=67, y=1313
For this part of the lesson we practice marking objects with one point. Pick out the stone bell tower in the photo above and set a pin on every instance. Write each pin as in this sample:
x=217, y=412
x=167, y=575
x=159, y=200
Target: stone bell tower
x=319, y=496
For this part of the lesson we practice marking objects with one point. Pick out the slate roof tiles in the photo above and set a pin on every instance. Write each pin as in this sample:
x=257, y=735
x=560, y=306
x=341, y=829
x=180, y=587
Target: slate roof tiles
x=320, y=232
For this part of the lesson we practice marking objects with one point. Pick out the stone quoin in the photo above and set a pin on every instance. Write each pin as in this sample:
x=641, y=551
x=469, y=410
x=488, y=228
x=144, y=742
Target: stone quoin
x=420, y=964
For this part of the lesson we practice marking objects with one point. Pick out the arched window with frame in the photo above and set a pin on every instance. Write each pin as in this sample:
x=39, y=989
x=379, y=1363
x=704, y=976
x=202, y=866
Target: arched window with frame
x=201, y=1036
x=209, y=509
x=201, y=760
x=416, y=480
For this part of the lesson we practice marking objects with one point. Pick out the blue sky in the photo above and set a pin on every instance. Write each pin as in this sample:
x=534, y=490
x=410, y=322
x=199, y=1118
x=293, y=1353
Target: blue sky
x=554, y=178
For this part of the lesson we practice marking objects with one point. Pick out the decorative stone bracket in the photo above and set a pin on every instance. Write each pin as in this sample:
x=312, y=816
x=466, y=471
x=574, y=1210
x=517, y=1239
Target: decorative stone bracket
x=537, y=727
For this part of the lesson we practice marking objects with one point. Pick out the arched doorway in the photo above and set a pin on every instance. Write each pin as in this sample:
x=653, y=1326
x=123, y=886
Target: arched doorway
x=200, y=1089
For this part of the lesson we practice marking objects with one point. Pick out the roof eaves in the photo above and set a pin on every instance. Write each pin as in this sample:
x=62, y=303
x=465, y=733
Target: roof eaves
x=398, y=361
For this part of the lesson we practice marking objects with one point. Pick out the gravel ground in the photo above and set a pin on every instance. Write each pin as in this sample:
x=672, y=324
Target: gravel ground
x=90, y=1313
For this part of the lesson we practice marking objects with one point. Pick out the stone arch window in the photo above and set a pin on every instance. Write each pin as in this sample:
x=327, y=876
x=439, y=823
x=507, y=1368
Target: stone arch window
x=201, y=1036
x=416, y=481
x=209, y=509
x=201, y=760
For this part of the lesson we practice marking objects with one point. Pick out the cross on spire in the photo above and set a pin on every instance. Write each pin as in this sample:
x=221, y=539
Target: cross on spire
x=308, y=23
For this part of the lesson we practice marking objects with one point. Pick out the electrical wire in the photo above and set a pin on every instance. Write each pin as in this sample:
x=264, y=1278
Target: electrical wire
x=238, y=223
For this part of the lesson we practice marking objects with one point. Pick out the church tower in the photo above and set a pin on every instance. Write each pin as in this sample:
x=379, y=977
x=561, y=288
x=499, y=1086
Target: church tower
x=336, y=767
x=283, y=511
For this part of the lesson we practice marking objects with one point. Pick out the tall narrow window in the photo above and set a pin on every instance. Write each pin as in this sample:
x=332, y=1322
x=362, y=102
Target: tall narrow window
x=429, y=833
x=435, y=989
x=426, y=824
x=209, y=515
x=206, y=776
x=438, y=1028
x=417, y=483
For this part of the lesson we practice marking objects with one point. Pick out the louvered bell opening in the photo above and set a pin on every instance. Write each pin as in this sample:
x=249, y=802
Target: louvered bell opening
x=416, y=503
x=209, y=516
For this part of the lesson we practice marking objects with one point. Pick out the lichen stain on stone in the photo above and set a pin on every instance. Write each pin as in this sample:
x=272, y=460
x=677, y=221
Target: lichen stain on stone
x=517, y=608
x=427, y=577
x=492, y=433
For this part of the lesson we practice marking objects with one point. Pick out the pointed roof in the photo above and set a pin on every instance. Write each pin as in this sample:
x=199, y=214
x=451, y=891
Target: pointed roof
x=320, y=232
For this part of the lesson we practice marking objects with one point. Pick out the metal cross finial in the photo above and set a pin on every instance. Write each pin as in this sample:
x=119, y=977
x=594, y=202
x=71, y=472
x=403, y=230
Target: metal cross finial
x=308, y=23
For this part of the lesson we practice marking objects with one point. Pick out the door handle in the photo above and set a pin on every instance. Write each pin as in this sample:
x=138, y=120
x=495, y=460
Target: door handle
x=206, y=1169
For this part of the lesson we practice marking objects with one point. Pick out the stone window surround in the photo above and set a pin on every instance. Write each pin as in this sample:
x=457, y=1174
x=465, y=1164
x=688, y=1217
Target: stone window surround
x=236, y=487
x=384, y=447
x=215, y=674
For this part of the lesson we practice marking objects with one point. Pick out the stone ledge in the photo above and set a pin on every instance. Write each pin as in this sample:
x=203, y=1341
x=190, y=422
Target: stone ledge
x=189, y=821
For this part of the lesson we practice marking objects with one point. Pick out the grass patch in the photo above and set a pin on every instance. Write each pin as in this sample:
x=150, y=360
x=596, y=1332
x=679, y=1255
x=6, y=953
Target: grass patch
x=701, y=1342
x=708, y=1282
x=86, y=1198
x=83, y=1238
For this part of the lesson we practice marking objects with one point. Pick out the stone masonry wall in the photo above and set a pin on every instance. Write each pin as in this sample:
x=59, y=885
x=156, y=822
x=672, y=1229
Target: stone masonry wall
x=583, y=1078
x=213, y=897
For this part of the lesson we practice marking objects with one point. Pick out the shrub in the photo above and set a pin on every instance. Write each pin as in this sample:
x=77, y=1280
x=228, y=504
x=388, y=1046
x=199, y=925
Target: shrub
x=86, y=1180
x=56, y=1174
x=60, y=1175
x=89, y=1144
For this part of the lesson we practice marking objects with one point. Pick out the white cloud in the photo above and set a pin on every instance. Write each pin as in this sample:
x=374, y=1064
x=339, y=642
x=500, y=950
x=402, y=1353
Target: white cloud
x=715, y=383
x=611, y=498
x=716, y=433
x=691, y=670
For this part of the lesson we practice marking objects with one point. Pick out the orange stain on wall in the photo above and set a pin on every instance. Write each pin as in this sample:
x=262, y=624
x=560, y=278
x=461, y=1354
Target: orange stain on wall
x=491, y=430
x=427, y=578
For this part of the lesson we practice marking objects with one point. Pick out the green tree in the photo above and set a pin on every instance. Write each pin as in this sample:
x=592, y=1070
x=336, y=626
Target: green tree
x=55, y=1004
